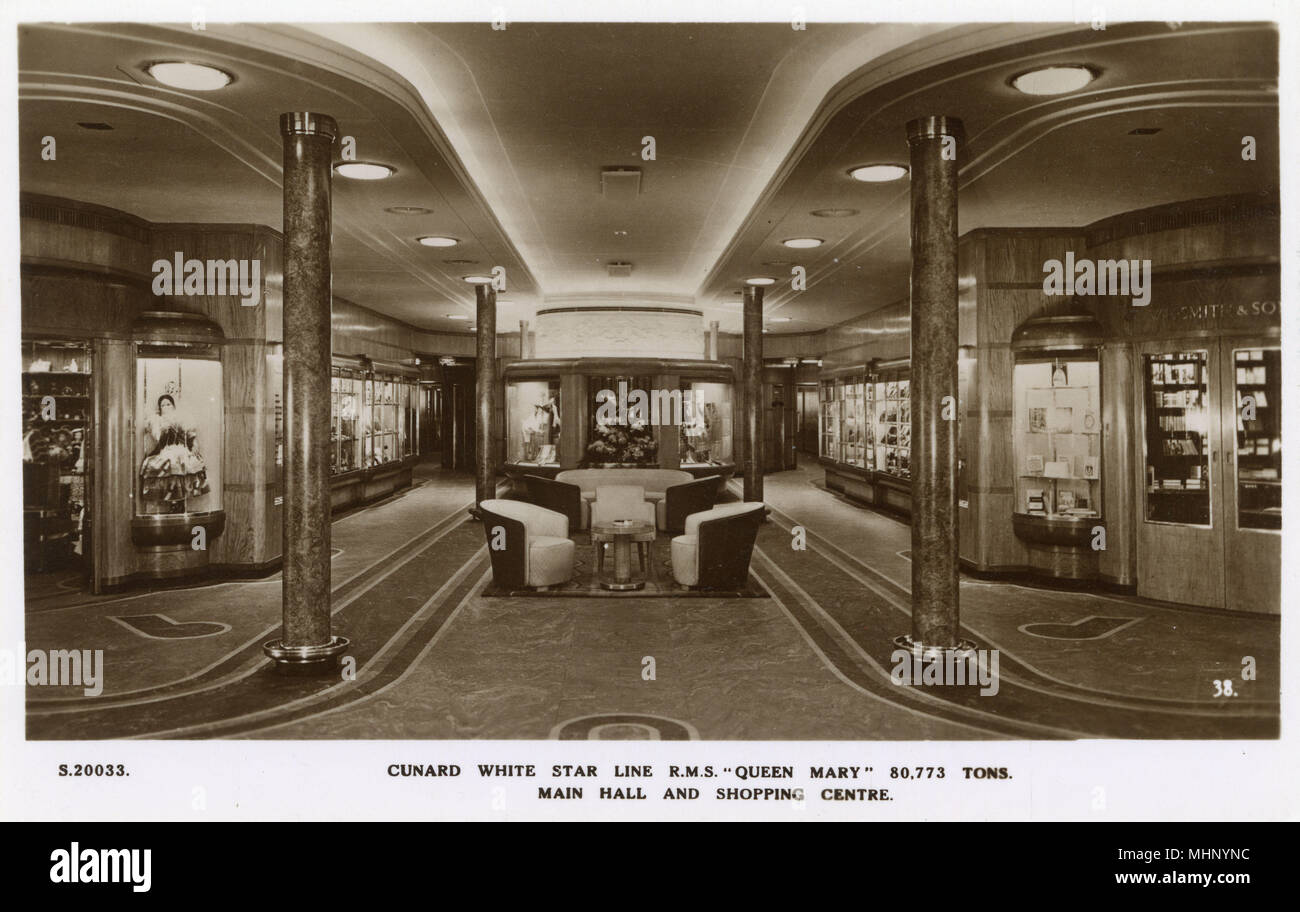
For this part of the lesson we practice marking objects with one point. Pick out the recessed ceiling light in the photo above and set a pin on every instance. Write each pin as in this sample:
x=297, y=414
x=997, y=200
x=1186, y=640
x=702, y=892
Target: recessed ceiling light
x=803, y=243
x=1054, y=80
x=193, y=76
x=620, y=233
x=457, y=317
x=365, y=171
x=778, y=319
x=834, y=213
x=760, y=280
x=437, y=241
x=461, y=262
x=1145, y=131
x=477, y=279
x=877, y=174
x=93, y=125
x=408, y=210
x=776, y=262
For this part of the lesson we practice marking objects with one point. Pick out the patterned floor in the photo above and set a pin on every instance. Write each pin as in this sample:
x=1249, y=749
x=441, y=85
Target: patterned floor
x=433, y=658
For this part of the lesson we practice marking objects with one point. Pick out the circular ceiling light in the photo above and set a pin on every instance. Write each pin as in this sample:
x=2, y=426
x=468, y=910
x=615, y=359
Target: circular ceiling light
x=366, y=171
x=408, y=210
x=778, y=319
x=834, y=213
x=457, y=317
x=477, y=279
x=760, y=280
x=193, y=76
x=437, y=241
x=803, y=243
x=1054, y=80
x=877, y=174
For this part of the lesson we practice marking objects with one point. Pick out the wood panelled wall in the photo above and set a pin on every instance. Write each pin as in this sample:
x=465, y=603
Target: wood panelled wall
x=86, y=274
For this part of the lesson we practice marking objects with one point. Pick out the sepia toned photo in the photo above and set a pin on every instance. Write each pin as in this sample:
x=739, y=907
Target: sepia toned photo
x=771, y=381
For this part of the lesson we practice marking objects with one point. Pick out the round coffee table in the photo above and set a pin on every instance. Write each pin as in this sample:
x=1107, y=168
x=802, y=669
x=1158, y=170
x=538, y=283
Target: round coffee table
x=622, y=532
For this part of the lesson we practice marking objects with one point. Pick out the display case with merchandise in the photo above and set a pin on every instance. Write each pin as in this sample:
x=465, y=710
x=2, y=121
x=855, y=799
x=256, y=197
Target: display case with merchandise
x=866, y=433
x=57, y=417
x=347, y=382
x=179, y=438
x=533, y=421
x=1258, y=381
x=1057, y=443
x=705, y=430
x=374, y=429
x=1177, y=438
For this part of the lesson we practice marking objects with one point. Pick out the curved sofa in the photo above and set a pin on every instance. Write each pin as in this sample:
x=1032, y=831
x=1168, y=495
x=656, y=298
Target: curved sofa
x=655, y=483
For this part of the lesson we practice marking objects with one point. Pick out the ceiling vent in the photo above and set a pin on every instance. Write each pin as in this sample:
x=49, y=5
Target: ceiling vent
x=620, y=185
x=619, y=270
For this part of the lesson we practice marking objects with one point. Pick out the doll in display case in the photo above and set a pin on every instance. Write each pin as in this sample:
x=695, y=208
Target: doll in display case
x=173, y=469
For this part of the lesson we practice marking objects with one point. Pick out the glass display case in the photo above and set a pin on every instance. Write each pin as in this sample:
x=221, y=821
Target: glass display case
x=390, y=434
x=619, y=434
x=533, y=422
x=1257, y=379
x=891, y=401
x=346, y=396
x=179, y=432
x=830, y=420
x=1177, y=438
x=1057, y=429
x=56, y=416
x=706, y=424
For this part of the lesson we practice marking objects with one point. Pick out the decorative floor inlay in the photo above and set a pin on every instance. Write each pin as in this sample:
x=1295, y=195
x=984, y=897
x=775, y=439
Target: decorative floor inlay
x=624, y=727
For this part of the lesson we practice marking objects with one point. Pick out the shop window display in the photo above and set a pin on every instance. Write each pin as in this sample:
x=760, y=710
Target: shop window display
x=892, y=408
x=1177, y=438
x=533, y=422
x=56, y=412
x=1258, y=381
x=704, y=437
x=1058, y=438
x=178, y=434
x=830, y=420
x=345, y=421
x=626, y=440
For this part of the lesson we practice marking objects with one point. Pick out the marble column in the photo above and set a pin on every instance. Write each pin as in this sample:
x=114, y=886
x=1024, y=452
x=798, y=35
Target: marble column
x=306, y=642
x=485, y=390
x=934, y=143
x=753, y=380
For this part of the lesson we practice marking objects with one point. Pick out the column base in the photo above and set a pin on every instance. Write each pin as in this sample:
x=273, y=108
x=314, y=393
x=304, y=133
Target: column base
x=924, y=652
x=306, y=659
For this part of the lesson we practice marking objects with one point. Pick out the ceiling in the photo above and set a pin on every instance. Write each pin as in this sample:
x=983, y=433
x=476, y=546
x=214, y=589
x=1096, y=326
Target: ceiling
x=502, y=136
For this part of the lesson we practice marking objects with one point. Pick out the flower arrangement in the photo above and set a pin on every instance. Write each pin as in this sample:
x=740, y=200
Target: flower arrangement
x=623, y=445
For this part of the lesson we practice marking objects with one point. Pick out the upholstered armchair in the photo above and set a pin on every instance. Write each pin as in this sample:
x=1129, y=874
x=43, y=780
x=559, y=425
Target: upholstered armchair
x=621, y=502
x=559, y=496
x=681, y=500
x=529, y=545
x=715, y=550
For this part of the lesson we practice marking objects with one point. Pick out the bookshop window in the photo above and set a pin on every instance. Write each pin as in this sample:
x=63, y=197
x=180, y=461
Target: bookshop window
x=533, y=422
x=1058, y=438
x=1258, y=384
x=705, y=431
x=178, y=434
x=1177, y=484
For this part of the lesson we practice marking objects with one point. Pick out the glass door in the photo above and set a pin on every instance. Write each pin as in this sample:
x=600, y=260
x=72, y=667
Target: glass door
x=1252, y=489
x=1180, y=530
x=1209, y=530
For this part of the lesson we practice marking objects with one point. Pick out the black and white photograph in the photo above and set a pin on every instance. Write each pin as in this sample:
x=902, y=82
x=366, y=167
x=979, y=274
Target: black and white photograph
x=812, y=377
